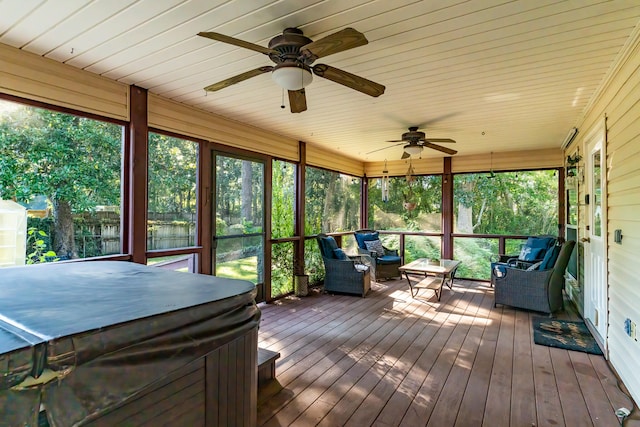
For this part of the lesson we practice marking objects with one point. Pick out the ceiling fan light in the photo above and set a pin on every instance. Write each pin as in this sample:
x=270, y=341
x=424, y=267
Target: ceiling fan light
x=291, y=77
x=412, y=149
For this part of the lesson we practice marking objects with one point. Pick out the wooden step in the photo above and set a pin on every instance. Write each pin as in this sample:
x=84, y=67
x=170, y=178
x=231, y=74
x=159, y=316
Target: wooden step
x=266, y=365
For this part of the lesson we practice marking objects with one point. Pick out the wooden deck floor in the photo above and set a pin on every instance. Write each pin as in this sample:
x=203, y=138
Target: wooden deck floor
x=389, y=360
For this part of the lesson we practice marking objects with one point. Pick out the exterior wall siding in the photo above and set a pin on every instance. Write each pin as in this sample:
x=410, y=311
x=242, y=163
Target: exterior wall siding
x=620, y=103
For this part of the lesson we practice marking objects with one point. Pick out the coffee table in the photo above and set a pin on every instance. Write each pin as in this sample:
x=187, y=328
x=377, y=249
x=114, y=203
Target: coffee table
x=436, y=272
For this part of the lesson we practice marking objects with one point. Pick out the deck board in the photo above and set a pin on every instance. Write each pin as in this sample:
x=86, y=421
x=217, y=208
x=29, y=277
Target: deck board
x=392, y=360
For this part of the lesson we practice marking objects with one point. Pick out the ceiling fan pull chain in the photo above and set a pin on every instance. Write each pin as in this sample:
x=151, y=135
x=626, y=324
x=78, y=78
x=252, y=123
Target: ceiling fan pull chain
x=282, y=102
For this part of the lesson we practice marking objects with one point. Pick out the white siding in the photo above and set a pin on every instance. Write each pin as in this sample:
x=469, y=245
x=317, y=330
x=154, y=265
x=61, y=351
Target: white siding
x=620, y=103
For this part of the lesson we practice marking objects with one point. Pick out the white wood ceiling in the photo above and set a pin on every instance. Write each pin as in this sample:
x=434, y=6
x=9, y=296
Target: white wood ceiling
x=495, y=75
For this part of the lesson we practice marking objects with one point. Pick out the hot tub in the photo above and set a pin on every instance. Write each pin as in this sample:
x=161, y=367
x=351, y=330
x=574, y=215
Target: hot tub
x=109, y=342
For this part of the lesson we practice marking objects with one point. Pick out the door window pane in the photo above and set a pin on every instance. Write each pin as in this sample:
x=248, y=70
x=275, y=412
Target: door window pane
x=240, y=258
x=239, y=196
x=597, y=194
x=239, y=219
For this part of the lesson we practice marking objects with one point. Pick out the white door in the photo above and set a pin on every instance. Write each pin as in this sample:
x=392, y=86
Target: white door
x=595, y=238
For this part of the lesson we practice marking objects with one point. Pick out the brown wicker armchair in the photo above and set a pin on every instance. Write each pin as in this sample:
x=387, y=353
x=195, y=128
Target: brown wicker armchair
x=538, y=290
x=341, y=273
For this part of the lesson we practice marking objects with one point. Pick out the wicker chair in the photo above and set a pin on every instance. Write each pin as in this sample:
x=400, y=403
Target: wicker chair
x=538, y=290
x=341, y=273
x=534, y=250
x=384, y=266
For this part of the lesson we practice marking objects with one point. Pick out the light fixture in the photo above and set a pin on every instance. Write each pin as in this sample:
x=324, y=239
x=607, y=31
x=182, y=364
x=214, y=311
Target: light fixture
x=291, y=76
x=385, y=183
x=412, y=149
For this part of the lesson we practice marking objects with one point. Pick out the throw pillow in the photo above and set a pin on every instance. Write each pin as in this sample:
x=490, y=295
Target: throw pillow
x=375, y=246
x=339, y=254
x=531, y=254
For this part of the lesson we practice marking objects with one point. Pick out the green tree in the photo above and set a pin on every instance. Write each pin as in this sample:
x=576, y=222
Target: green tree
x=172, y=174
x=74, y=161
x=524, y=202
x=332, y=201
x=391, y=215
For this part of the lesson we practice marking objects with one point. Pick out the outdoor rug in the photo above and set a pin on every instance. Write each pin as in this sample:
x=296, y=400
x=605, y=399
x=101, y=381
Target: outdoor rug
x=564, y=334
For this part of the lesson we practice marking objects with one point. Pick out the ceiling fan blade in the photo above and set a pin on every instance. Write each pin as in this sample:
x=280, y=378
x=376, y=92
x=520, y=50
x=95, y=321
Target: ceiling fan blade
x=384, y=148
x=405, y=155
x=397, y=140
x=439, y=148
x=237, y=79
x=349, y=80
x=237, y=42
x=297, y=101
x=334, y=43
x=439, y=140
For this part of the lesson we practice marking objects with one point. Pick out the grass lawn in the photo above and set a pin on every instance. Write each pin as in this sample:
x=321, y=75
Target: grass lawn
x=243, y=268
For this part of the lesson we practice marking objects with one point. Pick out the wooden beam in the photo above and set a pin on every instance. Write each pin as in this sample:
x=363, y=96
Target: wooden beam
x=364, y=202
x=268, y=206
x=298, y=260
x=561, y=203
x=447, y=210
x=137, y=200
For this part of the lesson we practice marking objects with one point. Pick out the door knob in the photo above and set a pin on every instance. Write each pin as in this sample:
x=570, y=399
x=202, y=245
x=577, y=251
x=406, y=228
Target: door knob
x=585, y=240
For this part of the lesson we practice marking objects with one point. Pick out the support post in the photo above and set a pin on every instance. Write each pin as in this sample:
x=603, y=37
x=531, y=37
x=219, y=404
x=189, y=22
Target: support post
x=447, y=210
x=138, y=143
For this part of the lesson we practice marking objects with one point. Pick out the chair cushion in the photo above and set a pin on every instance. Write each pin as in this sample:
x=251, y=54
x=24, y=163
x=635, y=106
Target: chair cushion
x=550, y=258
x=339, y=254
x=375, y=246
x=364, y=237
x=328, y=246
x=388, y=259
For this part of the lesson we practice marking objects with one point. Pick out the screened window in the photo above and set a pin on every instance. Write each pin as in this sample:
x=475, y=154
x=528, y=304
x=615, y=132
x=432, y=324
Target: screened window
x=332, y=201
x=511, y=203
x=282, y=226
x=172, y=192
x=66, y=170
x=413, y=206
x=283, y=199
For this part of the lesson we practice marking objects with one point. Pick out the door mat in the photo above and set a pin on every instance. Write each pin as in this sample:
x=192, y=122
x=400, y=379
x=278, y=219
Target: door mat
x=566, y=334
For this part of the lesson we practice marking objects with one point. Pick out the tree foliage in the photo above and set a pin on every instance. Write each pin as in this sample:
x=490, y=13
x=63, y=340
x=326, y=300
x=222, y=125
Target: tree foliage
x=74, y=161
x=425, y=191
x=520, y=203
x=332, y=201
x=172, y=174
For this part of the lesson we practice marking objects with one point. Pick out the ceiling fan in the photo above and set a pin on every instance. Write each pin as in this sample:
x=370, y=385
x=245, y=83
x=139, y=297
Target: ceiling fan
x=414, y=141
x=293, y=54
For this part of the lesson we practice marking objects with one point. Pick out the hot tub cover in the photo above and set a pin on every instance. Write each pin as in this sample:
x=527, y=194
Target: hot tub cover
x=91, y=335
